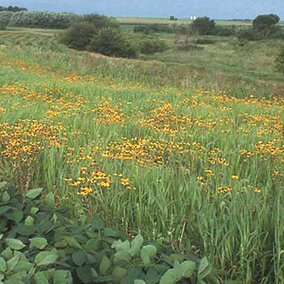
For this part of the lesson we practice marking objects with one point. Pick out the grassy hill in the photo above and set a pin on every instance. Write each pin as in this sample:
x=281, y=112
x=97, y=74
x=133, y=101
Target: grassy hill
x=186, y=147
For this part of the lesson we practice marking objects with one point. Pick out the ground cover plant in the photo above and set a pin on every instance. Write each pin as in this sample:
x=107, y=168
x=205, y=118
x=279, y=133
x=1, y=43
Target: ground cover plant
x=151, y=147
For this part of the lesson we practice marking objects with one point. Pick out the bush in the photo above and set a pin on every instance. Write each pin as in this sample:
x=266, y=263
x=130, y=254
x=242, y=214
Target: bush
x=5, y=19
x=78, y=36
x=42, y=20
x=280, y=62
x=205, y=41
x=204, y=26
x=249, y=34
x=225, y=31
x=151, y=46
x=110, y=41
x=40, y=244
x=100, y=21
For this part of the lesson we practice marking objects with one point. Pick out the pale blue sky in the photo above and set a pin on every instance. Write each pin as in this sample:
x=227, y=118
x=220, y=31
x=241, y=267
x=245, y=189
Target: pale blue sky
x=217, y=9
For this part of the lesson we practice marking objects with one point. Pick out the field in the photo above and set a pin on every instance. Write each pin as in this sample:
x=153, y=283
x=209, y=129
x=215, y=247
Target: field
x=154, y=146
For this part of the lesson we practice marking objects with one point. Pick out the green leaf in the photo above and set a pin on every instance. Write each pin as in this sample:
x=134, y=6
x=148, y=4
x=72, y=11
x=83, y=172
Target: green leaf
x=185, y=269
x=3, y=184
x=6, y=196
x=139, y=281
x=15, y=244
x=170, y=277
x=34, y=193
x=148, y=253
x=1, y=277
x=23, y=266
x=121, y=246
x=60, y=244
x=7, y=253
x=4, y=209
x=45, y=258
x=97, y=222
x=79, y=257
x=49, y=200
x=85, y=274
x=3, y=264
x=104, y=265
x=204, y=268
x=62, y=277
x=119, y=273
x=29, y=221
x=39, y=243
x=136, y=245
x=16, y=215
x=34, y=210
x=72, y=242
x=121, y=256
x=13, y=262
x=40, y=278
x=92, y=244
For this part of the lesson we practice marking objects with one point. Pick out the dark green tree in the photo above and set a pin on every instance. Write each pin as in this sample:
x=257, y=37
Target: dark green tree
x=204, y=26
x=266, y=24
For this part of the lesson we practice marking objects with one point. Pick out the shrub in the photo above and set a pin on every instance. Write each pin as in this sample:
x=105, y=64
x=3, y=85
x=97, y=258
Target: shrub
x=42, y=19
x=280, y=62
x=110, y=41
x=40, y=244
x=78, y=36
x=12, y=9
x=151, y=46
x=204, y=26
x=265, y=24
x=100, y=21
x=5, y=19
x=249, y=34
x=205, y=41
x=225, y=31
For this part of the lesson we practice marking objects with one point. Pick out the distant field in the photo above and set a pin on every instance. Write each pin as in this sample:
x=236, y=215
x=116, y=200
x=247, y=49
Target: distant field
x=130, y=20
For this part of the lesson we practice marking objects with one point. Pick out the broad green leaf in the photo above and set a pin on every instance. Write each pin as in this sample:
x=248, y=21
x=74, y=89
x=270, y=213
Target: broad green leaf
x=119, y=273
x=7, y=253
x=3, y=264
x=5, y=196
x=204, y=268
x=15, y=244
x=16, y=215
x=34, y=210
x=49, y=200
x=45, y=258
x=11, y=263
x=97, y=222
x=40, y=278
x=3, y=184
x=62, y=277
x=136, y=245
x=29, y=221
x=104, y=265
x=79, y=257
x=137, y=281
x=121, y=256
x=39, y=243
x=85, y=274
x=34, y=193
x=72, y=242
x=148, y=253
x=4, y=209
x=170, y=277
x=60, y=244
x=185, y=269
x=91, y=244
x=23, y=266
x=1, y=277
x=121, y=246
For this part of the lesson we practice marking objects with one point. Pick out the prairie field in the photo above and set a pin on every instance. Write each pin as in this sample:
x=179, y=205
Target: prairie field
x=156, y=146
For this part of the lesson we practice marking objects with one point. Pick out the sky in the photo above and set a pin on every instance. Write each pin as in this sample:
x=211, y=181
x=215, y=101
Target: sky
x=215, y=9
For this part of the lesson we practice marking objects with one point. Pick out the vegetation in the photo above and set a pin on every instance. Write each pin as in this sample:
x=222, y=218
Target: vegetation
x=5, y=19
x=280, y=61
x=151, y=46
x=186, y=149
x=204, y=26
x=39, y=243
x=12, y=9
x=42, y=19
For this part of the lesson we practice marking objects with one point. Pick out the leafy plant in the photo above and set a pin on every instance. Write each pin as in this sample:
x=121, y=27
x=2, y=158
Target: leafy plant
x=40, y=244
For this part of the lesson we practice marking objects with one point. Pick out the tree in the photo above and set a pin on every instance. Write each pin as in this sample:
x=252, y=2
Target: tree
x=204, y=26
x=266, y=24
